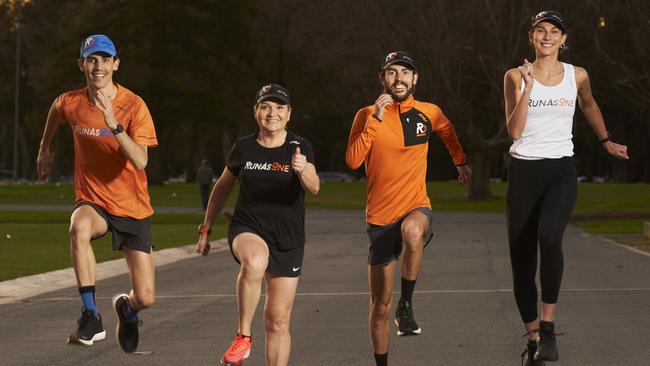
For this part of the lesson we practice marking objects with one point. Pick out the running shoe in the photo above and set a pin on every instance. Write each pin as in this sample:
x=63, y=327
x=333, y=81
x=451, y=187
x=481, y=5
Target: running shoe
x=405, y=321
x=89, y=329
x=126, y=331
x=528, y=359
x=239, y=350
x=546, y=346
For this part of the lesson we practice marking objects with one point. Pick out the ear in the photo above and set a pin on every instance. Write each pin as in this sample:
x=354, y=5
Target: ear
x=289, y=115
x=80, y=63
x=415, y=78
x=382, y=79
x=116, y=64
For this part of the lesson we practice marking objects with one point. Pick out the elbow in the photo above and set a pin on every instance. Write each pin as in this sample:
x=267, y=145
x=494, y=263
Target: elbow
x=352, y=164
x=514, y=133
x=140, y=164
x=315, y=189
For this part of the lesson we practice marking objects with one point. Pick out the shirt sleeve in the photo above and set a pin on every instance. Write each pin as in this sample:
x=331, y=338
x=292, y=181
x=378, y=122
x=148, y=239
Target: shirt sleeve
x=362, y=135
x=59, y=114
x=307, y=150
x=445, y=129
x=234, y=162
x=141, y=128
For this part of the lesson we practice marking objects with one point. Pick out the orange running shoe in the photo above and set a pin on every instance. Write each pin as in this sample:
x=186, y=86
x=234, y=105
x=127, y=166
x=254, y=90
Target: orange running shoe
x=240, y=349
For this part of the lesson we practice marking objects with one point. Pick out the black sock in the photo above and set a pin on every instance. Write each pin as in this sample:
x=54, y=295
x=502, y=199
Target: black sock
x=407, y=290
x=382, y=360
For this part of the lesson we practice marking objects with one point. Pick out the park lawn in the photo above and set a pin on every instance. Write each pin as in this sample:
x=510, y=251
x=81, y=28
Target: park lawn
x=593, y=199
x=36, y=242
x=613, y=226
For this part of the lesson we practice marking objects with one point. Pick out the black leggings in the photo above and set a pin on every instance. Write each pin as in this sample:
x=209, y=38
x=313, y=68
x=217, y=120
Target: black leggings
x=541, y=196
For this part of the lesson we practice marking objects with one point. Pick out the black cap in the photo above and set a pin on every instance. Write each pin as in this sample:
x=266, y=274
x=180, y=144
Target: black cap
x=549, y=16
x=400, y=58
x=273, y=91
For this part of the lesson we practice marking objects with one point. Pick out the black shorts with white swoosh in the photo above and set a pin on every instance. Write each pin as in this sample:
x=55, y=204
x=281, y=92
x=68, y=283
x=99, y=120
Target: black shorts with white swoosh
x=283, y=263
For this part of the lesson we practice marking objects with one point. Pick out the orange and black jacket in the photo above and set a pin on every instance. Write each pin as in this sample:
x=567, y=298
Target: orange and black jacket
x=395, y=153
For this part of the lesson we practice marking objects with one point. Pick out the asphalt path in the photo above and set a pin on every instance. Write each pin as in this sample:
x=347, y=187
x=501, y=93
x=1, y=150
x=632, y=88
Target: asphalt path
x=463, y=302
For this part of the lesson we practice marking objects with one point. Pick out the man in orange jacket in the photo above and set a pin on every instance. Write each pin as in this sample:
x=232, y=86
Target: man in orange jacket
x=391, y=138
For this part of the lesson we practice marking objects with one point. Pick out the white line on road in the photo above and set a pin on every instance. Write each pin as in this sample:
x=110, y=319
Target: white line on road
x=361, y=293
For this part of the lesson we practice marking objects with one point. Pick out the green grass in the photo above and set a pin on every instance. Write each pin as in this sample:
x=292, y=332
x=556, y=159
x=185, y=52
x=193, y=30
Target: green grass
x=35, y=242
x=613, y=226
x=39, y=241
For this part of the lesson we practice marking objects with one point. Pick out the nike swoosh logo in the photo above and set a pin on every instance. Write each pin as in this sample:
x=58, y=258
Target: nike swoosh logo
x=295, y=269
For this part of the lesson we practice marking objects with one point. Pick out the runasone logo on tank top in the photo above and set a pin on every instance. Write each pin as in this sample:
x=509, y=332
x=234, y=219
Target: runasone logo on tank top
x=92, y=131
x=561, y=102
x=267, y=166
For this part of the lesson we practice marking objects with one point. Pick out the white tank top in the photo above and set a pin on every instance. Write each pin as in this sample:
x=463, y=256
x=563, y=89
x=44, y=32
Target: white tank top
x=548, y=130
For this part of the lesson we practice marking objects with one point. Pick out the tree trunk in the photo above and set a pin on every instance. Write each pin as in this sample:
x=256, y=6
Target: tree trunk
x=479, y=185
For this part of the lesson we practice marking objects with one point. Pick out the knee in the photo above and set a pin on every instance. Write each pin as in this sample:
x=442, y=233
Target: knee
x=144, y=299
x=380, y=307
x=254, y=266
x=412, y=234
x=277, y=324
x=80, y=232
x=550, y=243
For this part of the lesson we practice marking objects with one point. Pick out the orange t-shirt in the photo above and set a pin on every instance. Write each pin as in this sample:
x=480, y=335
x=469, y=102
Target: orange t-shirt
x=395, y=153
x=102, y=173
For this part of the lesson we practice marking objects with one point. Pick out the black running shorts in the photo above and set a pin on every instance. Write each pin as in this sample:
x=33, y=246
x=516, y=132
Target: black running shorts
x=283, y=263
x=129, y=232
x=386, y=241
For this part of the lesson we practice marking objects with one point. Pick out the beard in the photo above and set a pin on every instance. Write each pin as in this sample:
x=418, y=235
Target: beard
x=399, y=98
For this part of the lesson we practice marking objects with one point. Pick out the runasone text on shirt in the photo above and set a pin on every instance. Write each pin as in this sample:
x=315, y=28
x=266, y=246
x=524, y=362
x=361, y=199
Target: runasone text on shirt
x=266, y=166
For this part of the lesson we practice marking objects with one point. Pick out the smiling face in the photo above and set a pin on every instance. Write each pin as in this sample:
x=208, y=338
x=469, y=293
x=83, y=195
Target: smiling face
x=546, y=38
x=398, y=81
x=272, y=116
x=98, y=69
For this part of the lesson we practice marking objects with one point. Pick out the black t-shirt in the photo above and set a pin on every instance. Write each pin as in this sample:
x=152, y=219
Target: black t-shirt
x=271, y=199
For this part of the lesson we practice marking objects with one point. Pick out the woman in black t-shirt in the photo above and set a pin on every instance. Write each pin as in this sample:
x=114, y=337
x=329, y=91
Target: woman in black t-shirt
x=267, y=233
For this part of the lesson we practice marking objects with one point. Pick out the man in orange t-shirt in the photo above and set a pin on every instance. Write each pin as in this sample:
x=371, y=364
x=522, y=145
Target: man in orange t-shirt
x=112, y=129
x=391, y=139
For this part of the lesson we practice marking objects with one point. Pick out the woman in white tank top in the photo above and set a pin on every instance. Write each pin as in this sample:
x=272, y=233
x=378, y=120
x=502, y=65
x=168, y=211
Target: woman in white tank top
x=540, y=100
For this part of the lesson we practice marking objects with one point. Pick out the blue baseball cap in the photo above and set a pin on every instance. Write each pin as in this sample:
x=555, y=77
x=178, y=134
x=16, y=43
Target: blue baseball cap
x=97, y=43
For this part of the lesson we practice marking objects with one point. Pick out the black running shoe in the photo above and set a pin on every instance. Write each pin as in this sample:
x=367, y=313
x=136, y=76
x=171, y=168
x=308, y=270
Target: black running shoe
x=126, y=331
x=528, y=357
x=546, y=346
x=405, y=321
x=89, y=329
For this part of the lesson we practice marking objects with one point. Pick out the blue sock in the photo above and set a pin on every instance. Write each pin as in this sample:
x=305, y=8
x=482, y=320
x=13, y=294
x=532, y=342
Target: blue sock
x=130, y=314
x=88, y=298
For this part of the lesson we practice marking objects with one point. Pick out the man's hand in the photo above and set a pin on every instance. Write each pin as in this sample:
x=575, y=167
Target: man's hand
x=105, y=105
x=43, y=163
x=381, y=103
x=298, y=161
x=464, y=173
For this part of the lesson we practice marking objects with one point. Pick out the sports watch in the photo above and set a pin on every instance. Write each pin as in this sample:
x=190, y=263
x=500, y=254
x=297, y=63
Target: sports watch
x=118, y=129
x=204, y=230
